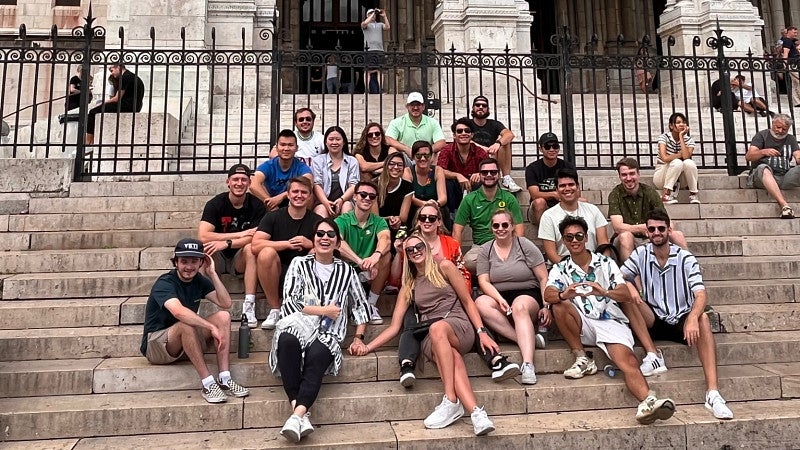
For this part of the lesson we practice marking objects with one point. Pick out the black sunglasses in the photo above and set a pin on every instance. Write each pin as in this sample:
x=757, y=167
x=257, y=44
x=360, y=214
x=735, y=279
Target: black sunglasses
x=551, y=146
x=660, y=228
x=330, y=233
x=574, y=237
x=374, y=134
x=489, y=173
x=503, y=225
x=305, y=119
x=463, y=131
x=422, y=156
x=428, y=218
x=480, y=105
x=368, y=195
x=415, y=248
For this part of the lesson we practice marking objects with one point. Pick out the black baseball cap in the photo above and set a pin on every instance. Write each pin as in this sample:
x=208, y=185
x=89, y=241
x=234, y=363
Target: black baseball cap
x=239, y=168
x=189, y=247
x=478, y=98
x=547, y=137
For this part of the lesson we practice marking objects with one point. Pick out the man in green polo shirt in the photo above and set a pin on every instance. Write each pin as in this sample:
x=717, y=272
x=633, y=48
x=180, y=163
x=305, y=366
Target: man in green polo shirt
x=414, y=126
x=365, y=243
x=628, y=205
x=477, y=208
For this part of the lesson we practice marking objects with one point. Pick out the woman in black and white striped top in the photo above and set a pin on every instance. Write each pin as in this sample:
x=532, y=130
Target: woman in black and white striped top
x=318, y=293
x=675, y=148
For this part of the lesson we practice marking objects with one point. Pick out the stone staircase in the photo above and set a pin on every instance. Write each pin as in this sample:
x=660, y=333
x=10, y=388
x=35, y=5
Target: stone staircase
x=76, y=271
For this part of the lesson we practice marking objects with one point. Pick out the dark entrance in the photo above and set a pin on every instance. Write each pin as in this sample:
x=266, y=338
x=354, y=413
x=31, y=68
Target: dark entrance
x=543, y=27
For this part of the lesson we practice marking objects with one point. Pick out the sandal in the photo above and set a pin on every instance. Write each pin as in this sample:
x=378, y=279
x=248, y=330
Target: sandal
x=787, y=213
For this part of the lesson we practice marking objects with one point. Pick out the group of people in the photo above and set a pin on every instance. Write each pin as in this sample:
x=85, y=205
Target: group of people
x=325, y=240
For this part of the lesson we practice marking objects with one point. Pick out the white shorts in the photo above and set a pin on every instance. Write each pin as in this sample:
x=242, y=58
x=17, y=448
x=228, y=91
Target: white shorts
x=596, y=332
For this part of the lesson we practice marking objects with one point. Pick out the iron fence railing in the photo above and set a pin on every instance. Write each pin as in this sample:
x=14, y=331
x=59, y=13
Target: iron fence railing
x=205, y=109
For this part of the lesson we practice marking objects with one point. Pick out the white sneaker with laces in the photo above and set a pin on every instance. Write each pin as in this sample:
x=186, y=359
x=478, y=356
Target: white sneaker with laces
x=445, y=414
x=652, y=409
x=272, y=319
x=693, y=199
x=528, y=374
x=653, y=364
x=583, y=365
x=249, y=310
x=509, y=184
x=291, y=429
x=481, y=422
x=375, y=315
x=305, y=425
x=716, y=404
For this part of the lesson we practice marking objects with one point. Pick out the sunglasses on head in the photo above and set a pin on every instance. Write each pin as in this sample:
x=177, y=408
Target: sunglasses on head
x=503, y=225
x=411, y=249
x=551, y=146
x=489, y=173
x=374, y=134
x=321, y=233
x=425, y=218
x=660, y=228
x=463, y=131
x=574, y=237
x=422, y=156
x=305, y=119
x=368, y=195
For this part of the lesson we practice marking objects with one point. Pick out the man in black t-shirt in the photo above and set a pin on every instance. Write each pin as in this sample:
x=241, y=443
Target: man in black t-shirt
x=495, y=138
x=128, y=98
x=173, y=329
x=226, y=229
x=540, y=177
x=282, y=235
x=792, y=55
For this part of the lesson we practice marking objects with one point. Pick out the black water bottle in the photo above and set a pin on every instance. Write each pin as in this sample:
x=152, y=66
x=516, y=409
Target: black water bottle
x=244, y=339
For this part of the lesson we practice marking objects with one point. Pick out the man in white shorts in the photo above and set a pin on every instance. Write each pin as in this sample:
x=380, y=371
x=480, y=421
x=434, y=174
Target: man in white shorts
x=584, y=289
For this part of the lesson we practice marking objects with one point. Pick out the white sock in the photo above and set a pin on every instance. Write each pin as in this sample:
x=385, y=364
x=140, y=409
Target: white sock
x=709, y=393
x=208, y=381
x=225, y=377
x=250, y=298
x=373, y=298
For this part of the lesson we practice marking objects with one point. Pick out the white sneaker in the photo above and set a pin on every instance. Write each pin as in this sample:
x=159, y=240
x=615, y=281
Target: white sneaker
x=528, y=374
x=272, y=319
x=481, y=422
x=249, y=310
x=509, y=184
x=652, y=409
x=540, y=341
x=305, y=425
x=375, y=315
x=693, y=199
x=653, y=364
x=291, y=429
x=445, y=414
x=716, y=404
x=583, y=365
x=668, y=199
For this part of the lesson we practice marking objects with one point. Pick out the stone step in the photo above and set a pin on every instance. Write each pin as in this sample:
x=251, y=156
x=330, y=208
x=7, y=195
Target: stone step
x=743, y=245
x=690, y=428
x=151, y=412
x=68, y=240
x=69, y=260
x=61, y=313
x=759, y=317
x=105, y=205
x=750, y=267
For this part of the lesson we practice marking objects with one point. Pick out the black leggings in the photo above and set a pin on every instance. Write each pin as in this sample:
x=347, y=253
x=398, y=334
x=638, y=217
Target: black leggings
x=408, y=347
x=301, y=378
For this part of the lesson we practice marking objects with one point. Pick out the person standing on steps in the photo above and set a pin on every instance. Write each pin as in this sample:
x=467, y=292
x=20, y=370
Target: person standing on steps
x=792, y=56
x=374, y=25
x=226, y=230
x=495, y=138
x=173, y=330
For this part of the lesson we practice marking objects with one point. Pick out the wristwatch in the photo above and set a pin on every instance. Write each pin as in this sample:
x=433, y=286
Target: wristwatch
x=481, y=330
x=359, y=336
x=230, y=243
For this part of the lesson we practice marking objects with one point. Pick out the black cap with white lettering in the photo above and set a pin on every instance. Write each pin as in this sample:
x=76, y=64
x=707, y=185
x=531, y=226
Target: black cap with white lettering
x=189, y=247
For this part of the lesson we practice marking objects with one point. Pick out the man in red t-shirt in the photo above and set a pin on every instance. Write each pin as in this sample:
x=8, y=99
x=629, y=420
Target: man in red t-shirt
x=459, y=162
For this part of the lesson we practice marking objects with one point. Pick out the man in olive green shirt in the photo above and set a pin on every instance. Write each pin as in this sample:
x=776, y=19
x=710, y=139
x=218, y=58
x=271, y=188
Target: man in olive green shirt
x=628, y=205
x=477, y=207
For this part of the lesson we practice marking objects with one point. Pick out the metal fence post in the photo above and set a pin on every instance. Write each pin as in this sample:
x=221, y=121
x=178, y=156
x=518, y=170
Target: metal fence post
x=275, y=95
x=88, y=32
x=564, y=41
x=719, y=43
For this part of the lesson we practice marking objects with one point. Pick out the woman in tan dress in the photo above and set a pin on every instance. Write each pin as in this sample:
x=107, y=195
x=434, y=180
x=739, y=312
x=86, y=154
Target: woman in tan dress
x=440, y=292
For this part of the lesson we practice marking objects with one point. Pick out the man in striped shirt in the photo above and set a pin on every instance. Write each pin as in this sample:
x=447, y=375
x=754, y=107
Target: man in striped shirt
x=674, y=300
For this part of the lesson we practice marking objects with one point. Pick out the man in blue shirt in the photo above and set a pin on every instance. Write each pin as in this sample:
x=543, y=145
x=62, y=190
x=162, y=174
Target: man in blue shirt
x=271, y=179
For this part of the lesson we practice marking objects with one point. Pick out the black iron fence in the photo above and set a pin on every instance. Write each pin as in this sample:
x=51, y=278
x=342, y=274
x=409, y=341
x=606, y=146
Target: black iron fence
x=206, y=109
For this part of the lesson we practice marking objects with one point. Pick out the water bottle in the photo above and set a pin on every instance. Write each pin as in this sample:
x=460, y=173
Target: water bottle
x=610, y=371
x=244, y=339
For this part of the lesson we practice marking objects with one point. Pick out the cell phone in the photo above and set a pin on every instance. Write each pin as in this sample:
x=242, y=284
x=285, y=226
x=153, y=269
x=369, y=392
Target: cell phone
x=401, y=233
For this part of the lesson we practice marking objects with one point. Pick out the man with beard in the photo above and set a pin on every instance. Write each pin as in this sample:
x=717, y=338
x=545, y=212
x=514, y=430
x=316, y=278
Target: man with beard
x=770, y=155
x=310, y=142
x=226, y=229
x=415, y=126
x=459, y=162
x=495, y=138
x=675, y=300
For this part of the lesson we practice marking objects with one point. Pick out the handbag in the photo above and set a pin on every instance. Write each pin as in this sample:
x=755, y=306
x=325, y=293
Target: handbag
x=420, y=329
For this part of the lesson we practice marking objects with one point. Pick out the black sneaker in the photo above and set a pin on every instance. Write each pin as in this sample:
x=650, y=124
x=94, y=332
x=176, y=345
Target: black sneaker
x=503, y=370
x=407, y=377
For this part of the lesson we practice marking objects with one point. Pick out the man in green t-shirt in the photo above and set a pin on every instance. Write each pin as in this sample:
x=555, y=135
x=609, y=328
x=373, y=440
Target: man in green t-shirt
x=478, y=206
x=366, y=243
x=628, y=205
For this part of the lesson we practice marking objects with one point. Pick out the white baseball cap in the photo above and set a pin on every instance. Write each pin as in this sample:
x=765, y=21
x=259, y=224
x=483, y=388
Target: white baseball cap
x=415, y=97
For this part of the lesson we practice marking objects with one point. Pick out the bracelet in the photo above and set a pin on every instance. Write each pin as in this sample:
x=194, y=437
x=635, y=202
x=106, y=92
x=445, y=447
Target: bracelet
x=559, y=296
x=379, y=252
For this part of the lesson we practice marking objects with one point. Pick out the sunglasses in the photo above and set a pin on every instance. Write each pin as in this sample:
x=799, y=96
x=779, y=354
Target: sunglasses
x=551, y=146
x=395, y=164
x=415, y=248
x=365, y=195
x=422, y=156
x=305, y=119
x=330, y=233
x=574, y=237
x=480, y=105
x=660, y=228
x=463, y=131
x=374, y=134
x=428, y=218
x=498, y=225
x=489, y=173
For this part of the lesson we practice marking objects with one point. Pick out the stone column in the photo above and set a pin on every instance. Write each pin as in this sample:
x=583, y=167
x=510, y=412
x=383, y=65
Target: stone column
x=265, y=27
x=233, y=23
x=165, y=16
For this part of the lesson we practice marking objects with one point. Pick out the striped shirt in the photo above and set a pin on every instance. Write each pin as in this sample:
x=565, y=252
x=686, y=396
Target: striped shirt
x=673, y=146
x=669, y=290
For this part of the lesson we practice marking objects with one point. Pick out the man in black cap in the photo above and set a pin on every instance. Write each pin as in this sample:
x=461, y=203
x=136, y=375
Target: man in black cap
x=495, y=138
x=173, y=329
x=227, y=226
x=540, y=176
